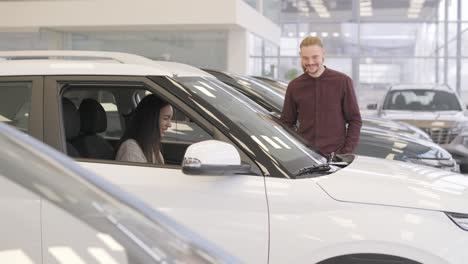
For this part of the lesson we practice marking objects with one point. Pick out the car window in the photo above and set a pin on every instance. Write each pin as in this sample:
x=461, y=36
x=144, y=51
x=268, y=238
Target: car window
x=183, y=132
x=114, y=127
x=254, y=121
x=118, y=102
x=421, y=100
x=262, y=91
x=15, y=104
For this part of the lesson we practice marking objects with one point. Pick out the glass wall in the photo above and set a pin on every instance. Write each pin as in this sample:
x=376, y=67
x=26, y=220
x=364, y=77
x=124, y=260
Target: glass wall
x=198, y=48
x=269, y=8
x=263, y=57
x=381, y=42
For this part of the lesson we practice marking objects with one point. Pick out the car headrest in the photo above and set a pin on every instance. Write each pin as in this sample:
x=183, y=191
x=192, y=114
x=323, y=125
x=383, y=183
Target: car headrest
x=71, y=118
x=93, y=117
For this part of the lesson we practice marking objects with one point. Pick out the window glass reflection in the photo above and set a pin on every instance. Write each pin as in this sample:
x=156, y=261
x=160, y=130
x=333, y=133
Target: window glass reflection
x=256, y=123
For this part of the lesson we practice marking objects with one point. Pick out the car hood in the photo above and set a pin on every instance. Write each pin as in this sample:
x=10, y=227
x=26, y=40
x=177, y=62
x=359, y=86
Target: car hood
x=449, y=116
x=392, y=183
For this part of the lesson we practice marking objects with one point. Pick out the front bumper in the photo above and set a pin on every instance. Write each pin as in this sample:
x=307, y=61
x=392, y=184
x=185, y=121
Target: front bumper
x=458, y=150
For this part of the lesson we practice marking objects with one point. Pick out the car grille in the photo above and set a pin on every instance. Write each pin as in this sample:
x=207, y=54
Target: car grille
x=440, y=135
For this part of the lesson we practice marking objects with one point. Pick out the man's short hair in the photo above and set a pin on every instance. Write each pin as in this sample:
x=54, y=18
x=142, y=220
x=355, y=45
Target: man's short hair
x=310, y=41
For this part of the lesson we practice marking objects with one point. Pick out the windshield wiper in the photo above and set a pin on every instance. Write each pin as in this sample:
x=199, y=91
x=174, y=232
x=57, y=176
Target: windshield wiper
x=313, y=169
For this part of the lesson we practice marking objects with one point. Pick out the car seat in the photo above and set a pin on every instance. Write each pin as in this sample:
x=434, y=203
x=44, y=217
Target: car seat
x=71, y=120
x=400, y=102
x=93, y=121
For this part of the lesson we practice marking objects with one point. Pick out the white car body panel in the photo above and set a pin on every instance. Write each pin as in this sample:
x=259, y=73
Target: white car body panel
x=228, y=210
x=424, y=187
x=48, y=67
x=314, y=228
x=68, y=240
x=20, y=228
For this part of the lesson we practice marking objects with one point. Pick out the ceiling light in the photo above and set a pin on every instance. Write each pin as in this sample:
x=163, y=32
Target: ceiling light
x=313, y=34
x=414, y=10
x=336, y=34
x=416, y=5
x=413, y=15
x=366, y=9
x=324, y=34
x=319, y=8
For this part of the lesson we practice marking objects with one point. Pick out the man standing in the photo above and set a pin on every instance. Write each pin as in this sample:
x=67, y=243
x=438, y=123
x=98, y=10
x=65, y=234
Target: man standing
x=322, y=103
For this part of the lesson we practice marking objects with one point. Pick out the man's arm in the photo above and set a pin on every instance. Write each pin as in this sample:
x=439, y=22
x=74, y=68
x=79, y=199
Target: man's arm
x=289, y=113
x=352, y=117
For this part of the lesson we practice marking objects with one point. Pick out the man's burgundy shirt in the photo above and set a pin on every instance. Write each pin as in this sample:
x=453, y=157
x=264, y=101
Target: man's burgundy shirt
x=326, y=111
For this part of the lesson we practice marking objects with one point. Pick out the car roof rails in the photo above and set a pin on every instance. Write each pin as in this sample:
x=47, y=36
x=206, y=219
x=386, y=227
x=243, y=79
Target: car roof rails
x=176, y=69
x=180, y=69
x=124, y=58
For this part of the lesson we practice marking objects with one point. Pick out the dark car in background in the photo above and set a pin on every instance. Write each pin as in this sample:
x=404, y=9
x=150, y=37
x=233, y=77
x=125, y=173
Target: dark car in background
x=379, y=138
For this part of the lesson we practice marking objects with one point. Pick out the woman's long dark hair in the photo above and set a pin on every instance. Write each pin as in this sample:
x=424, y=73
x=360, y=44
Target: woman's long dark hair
x=143, y=126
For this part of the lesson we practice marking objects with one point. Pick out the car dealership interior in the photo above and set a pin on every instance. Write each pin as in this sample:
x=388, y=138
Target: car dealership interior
x=175, y=131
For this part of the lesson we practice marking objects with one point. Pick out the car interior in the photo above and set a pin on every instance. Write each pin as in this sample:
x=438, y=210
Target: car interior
x=94, y=120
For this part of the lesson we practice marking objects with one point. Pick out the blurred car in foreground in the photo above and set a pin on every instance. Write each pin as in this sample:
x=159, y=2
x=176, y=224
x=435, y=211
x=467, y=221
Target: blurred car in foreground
x=53, y=211
x=379, y=138
x=436, y=109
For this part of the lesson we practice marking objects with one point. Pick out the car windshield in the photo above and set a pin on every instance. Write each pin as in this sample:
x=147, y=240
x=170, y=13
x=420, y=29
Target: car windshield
x=261, y=90
x=421, y=100
x=255, y=122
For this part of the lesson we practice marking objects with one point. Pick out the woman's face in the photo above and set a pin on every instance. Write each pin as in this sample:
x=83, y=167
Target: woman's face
x=165, y=116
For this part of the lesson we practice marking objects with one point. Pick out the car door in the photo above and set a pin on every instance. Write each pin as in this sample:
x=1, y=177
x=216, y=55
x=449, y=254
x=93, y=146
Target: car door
x=229, y=210
x=20, y=229
x=20, y=239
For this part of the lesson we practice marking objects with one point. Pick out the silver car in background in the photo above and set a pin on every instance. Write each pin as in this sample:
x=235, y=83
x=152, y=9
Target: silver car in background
x=436, y=109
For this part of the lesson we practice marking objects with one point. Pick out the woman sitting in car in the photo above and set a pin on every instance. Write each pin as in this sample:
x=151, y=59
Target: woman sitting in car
x=141, y=141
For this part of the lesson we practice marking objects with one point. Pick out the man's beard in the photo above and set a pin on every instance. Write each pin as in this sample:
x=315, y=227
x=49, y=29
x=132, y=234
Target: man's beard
x=304, y=68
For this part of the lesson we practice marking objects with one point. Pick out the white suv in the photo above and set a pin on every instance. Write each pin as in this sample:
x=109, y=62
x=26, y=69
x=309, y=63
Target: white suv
x=436, y=109
x=247, y=185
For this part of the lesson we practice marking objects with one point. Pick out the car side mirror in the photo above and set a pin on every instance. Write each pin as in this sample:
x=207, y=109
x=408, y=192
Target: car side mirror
x=372, y=106
x=213, y=157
